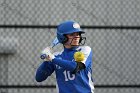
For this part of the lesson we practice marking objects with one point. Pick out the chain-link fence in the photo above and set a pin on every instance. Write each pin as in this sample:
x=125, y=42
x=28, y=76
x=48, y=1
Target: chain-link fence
x=112, y=31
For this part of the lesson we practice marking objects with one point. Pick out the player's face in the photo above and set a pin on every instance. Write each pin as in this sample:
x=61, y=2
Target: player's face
x=73, y=39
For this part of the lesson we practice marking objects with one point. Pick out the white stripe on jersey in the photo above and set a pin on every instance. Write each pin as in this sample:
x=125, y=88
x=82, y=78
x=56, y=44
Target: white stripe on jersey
x=90, y=82
x=86, y=50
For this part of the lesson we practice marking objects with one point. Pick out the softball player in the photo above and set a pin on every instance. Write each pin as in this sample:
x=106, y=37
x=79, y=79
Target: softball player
x=72, y=66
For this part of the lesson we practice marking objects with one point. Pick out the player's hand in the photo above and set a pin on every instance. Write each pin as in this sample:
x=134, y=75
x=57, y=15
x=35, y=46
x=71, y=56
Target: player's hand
x=47, y=55
x=79, y=56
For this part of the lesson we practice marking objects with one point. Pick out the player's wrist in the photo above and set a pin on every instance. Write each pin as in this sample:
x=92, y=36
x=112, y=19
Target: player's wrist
x=47, y=54
x=51, y=57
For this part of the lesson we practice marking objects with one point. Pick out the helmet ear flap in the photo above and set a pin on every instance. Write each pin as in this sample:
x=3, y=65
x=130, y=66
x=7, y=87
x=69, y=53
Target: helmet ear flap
x=62, y=38
x=65, y=39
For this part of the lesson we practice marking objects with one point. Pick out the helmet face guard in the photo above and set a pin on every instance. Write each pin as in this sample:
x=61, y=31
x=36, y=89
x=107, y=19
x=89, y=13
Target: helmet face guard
x=81, y=41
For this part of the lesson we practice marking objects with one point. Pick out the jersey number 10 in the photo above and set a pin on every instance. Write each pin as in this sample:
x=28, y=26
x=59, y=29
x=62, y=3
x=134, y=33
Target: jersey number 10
x=68, y=75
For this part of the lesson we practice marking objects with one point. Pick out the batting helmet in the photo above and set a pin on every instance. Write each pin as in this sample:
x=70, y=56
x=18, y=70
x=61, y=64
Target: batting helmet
x=67, y=27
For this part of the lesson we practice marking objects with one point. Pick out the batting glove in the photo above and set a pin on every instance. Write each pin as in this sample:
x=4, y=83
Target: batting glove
x=47, y=55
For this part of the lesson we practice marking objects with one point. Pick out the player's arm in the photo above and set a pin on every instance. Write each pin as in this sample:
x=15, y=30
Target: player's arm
x=79, y=63
x=71, y=65
x=68, y=65
x=75, y=66
x=44, y=70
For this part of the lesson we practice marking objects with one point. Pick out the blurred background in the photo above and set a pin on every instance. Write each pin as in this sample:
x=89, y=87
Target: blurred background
x=112, y=29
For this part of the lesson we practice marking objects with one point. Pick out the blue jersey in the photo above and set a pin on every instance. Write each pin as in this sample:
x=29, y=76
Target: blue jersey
x=64, y=64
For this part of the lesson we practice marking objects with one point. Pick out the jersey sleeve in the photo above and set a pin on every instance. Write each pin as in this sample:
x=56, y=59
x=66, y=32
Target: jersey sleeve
x=88, y=55
x=68, y=65
x=43, y=71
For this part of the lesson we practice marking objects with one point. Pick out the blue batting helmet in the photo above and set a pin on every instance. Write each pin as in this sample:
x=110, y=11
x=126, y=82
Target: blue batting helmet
x=67, y=27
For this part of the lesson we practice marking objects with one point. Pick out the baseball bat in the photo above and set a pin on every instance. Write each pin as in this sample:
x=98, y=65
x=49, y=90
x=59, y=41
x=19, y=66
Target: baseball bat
x=53, y=44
